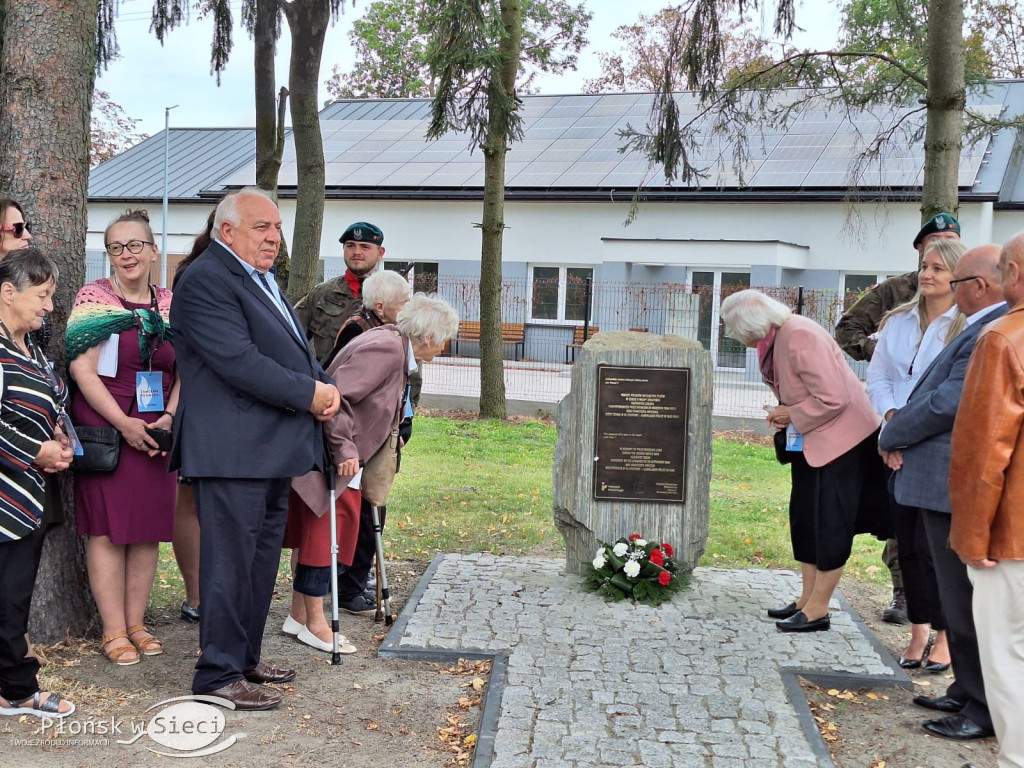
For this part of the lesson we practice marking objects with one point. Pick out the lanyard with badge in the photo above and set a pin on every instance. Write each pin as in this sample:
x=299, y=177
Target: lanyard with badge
x=44, y=368
x=149, y=385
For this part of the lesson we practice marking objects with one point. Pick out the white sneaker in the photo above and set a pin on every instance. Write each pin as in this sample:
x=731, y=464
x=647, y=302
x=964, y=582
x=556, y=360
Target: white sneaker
x=291, y=627
x=307, y=637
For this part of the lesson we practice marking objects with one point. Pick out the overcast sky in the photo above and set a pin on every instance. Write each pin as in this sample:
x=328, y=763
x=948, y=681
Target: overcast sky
x=149, y=77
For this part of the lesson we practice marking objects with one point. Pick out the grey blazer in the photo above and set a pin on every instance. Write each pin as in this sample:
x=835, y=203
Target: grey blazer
x=923, y=427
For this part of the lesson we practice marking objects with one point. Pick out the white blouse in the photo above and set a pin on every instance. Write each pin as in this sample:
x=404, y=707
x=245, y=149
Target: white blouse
x=902, y=355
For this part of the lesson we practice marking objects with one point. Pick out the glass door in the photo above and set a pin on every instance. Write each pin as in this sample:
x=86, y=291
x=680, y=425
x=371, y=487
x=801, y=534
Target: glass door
x=712, y=286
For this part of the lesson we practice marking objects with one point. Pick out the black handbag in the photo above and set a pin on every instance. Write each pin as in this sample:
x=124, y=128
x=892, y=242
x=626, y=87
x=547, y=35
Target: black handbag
x=101, y=450
x=781, y=454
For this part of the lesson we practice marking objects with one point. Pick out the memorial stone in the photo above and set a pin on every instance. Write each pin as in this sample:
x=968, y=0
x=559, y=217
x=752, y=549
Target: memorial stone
x=634, y=446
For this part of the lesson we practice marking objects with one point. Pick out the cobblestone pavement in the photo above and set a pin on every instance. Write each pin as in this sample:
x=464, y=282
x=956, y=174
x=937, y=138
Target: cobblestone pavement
x=698, y=683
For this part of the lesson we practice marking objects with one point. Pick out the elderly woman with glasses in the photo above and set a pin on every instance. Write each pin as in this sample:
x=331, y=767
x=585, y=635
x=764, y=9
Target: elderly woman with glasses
x=120, y=354
x=32, y=446
x=831, y=434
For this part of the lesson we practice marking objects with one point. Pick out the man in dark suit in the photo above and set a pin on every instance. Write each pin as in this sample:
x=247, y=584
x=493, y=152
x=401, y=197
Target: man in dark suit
x=252, y=393
x=918, y=441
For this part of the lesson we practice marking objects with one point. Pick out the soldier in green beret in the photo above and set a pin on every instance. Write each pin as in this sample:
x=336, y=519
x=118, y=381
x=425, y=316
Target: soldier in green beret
x=325, y=309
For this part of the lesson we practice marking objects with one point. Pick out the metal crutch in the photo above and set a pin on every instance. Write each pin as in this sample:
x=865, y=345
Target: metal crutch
x=382, y=581
x=331, y=473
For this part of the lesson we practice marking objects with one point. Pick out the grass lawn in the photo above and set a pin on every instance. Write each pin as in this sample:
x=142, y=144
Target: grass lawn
x=485, y=486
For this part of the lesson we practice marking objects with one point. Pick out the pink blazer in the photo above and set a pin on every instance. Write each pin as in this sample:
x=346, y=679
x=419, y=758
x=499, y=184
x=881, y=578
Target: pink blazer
x=827, y=402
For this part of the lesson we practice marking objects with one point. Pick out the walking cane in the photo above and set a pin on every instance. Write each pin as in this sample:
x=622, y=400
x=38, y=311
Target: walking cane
x=378, y=616
x=331, y=473
x=382, y=580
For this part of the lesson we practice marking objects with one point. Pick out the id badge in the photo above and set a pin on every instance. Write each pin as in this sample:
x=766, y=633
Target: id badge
x=794, y=440
x=72, y=435
x=149, y=391
x=407, y=414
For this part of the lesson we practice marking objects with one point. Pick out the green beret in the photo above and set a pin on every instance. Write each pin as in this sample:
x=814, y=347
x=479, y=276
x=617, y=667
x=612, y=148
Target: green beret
x=363, y=232
x=943, y=222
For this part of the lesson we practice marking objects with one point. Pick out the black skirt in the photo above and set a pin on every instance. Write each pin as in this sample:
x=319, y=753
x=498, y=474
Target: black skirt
x=829, y=505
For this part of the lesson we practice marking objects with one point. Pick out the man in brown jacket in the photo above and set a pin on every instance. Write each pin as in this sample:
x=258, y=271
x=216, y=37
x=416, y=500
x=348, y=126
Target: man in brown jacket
x=986, y=485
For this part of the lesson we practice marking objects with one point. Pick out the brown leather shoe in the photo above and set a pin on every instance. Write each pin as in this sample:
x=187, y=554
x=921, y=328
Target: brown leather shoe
x=264, y=673
x=246, y=697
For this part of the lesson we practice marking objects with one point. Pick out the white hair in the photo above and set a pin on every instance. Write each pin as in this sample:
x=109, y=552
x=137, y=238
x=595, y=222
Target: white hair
x=227, y=209
x=748, y=315
x=386, y=286
x=428, y=318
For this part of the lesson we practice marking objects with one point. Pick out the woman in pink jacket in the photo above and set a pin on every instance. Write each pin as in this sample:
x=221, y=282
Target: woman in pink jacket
x=827, y=432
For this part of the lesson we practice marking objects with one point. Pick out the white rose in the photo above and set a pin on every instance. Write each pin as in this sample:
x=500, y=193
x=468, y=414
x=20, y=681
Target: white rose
x=599, y=562
x=600, y=552
x=631, y=569
x=641, y=542
x=620, y=549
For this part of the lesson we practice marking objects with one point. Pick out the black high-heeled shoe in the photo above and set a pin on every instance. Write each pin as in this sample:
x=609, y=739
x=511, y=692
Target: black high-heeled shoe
x=906, y=663
x=936, y=666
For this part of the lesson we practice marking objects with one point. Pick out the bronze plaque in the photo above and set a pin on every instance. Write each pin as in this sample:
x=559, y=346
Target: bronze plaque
x=640, y=436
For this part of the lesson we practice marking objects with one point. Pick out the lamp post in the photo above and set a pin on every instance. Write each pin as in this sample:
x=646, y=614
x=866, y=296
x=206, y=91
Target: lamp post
x=167, y=165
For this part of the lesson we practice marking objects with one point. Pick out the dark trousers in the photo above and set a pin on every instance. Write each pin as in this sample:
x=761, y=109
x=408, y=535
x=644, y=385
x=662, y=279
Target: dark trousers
x=19, y=563
x=352, y=581
x=956, y=594
x=241, y=525
x=917, y=566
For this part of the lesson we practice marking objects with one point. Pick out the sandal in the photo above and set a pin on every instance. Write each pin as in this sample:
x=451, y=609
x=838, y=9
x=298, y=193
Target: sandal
x=147, y=646
x=124, y=655
x=36, y=705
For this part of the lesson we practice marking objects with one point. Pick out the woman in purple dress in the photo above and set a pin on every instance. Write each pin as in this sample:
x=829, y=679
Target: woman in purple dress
x=117, y=332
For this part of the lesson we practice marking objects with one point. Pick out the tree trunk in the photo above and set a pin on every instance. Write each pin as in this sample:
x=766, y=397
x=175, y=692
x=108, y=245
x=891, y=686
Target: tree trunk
x=269, y=114
x=307, y=20
x=946, y=100
x=495, y=148
x=46, y=81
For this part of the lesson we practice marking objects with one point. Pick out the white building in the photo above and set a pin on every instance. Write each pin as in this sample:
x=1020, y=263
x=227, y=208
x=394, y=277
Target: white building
x=791, y=222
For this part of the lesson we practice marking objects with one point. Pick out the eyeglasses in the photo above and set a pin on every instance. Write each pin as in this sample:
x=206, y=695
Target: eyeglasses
x=952, y=283
x=18, y=229
x=133, y=246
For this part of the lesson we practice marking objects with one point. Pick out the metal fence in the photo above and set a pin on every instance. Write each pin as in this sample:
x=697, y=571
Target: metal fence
x=552, y=319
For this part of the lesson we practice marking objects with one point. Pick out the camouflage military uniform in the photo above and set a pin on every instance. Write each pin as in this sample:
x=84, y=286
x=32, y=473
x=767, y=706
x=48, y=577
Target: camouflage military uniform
x=324, y=310
x=861, y=320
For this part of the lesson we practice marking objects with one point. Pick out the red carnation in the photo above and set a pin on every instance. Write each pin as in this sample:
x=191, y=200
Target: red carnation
x=664, y=578
x=668, y=549
x=656, y=557
x=634, y=536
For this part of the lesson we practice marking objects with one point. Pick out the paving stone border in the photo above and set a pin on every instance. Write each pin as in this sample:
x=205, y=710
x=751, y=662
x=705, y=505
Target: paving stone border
x=705, y=681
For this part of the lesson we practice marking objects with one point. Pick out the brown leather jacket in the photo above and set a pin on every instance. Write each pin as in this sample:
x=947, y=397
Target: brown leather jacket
x=986, y=474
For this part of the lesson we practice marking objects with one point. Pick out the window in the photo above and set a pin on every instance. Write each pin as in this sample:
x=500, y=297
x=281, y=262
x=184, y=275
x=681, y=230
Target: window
x=424, y=274
x=561, y=293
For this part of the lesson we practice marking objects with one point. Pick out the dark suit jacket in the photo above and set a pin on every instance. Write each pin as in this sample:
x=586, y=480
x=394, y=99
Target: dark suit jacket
x=246, y=379
x=923, y=427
